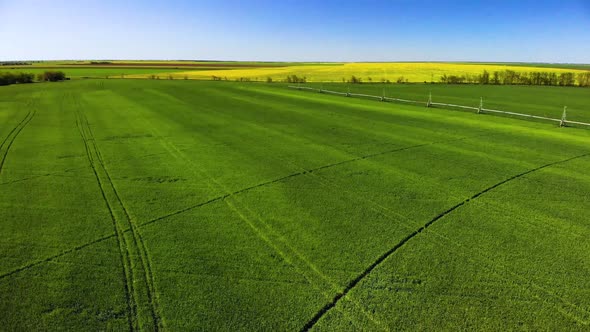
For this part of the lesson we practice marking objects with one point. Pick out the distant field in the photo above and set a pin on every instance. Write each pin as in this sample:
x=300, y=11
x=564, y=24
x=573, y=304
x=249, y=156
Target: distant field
x=261, y=71
x=198, y=205
x=580, y=66
x=95, y=72
x=413, y=72
x=115, y=69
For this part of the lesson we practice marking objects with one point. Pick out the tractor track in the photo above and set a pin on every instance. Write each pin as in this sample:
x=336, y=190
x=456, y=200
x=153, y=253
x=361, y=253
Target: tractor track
x=270, y=182
x=353, y=283
x=303, y=172
x=123, y=253
x=138, y=241
x=222, y=197
x=56, y=256
x=136, y=264
x=12, y=135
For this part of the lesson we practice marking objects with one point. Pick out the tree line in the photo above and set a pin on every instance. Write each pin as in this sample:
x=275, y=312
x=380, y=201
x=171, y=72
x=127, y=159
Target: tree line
x=8, y=78
x=15, y=63
x=509, y=77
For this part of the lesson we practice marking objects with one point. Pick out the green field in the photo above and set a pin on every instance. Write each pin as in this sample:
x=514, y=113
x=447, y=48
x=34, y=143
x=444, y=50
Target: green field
x=187, y=205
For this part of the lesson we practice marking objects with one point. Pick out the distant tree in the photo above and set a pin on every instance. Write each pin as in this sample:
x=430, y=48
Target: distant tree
x=269, y=79
x=52, y=76
x=553, y=79
x=496, y=78
x=584, y=79
x=452, y=79
x=6, y=78
x=401, y=80
x=355, y=80
x=484, y=78
x=26, y=78
x=15, y=63
x=567, y=79
x=296, y=79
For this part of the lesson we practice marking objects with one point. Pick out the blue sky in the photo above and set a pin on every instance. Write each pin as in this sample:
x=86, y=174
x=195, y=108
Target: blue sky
x=297, y=30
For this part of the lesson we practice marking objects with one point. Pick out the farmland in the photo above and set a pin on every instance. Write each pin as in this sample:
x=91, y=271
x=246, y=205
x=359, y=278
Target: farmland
x=375, y=72
x=118, y=69
x=413, y=72
x=198, y=205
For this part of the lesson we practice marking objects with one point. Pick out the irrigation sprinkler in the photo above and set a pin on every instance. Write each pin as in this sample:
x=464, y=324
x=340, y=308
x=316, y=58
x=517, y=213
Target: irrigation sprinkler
x=348, y=91
x=321, y=87
x=563, y=121
x=383, y=95
x=480, y=105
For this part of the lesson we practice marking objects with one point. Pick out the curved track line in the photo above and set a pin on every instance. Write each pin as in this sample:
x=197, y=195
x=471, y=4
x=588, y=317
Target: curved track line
x=135, y=250
x=137, y=239
x=11, y=137
x=219, y=198
x=41, y=176
x=123, y=252
x=303, y=172
x=311, y=323
x=56, y=256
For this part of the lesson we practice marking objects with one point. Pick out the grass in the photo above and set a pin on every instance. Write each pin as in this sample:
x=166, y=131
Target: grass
x=186, y=205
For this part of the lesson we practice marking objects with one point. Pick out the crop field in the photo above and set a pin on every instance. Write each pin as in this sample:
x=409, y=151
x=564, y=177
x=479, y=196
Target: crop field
x=412, y=71
x=119, y=69
x=200, y=205
x=96, y=72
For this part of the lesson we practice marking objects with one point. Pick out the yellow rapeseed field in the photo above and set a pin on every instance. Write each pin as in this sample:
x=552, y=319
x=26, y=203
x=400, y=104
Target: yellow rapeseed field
x=412, y=72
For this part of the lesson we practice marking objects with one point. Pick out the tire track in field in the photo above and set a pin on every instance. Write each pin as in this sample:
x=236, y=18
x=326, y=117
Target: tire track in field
x=123, y=252
x=220, y=198
x=142, y=306
x=32, y=177
x=12, y=135
x=387, y=212
x=56, y=256
x=303, y=172
x=353, y=283
x=137, y=239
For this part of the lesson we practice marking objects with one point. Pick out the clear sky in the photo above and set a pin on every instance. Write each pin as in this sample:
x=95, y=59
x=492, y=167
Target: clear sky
x=297, y=30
